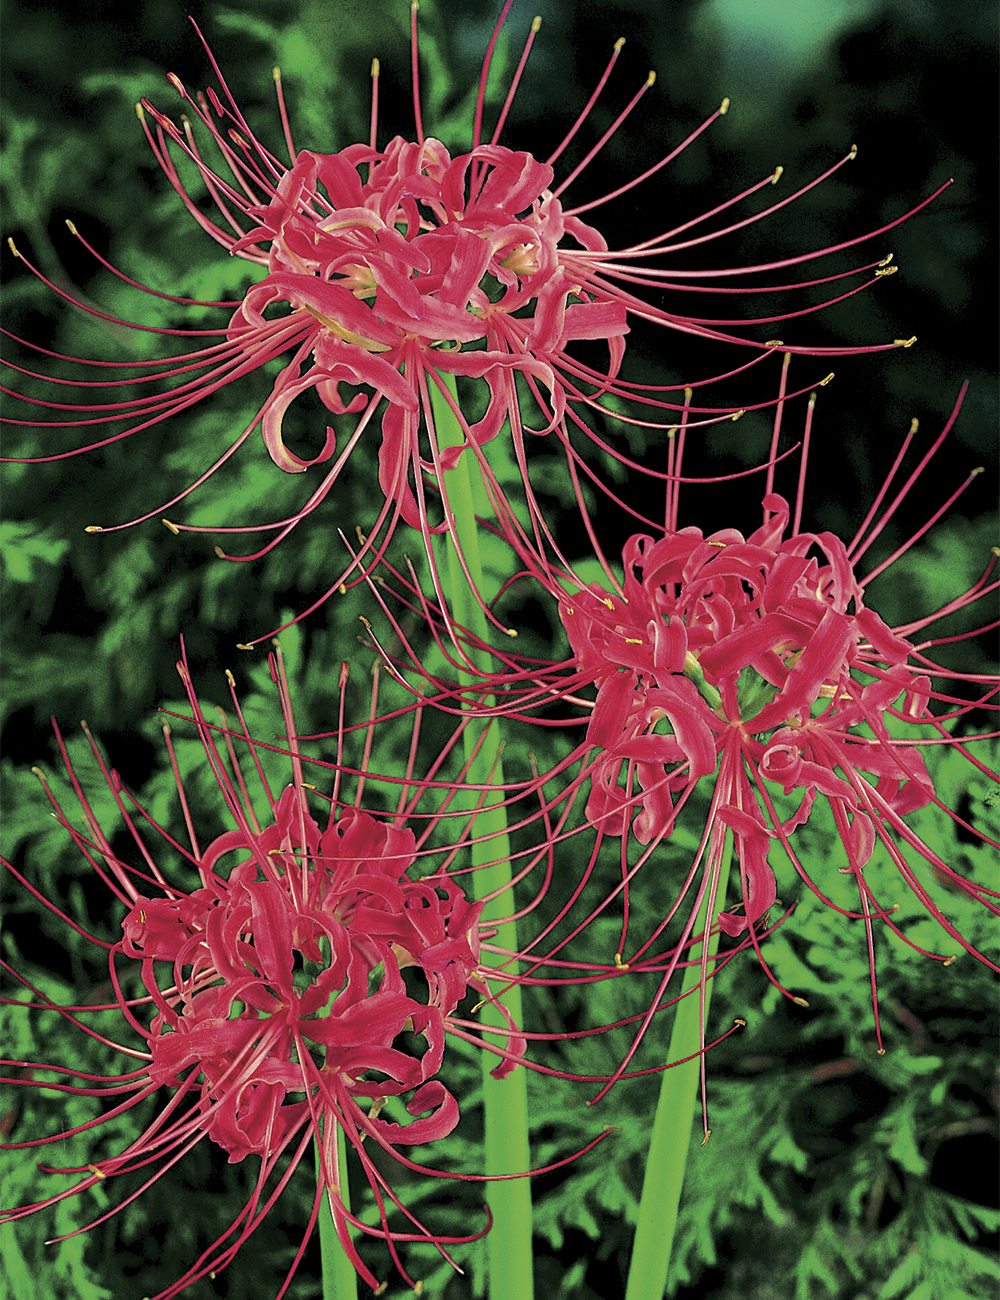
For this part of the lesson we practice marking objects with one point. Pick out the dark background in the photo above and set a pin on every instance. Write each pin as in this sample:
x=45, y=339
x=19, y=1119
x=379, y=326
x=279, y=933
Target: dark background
x=92, y=622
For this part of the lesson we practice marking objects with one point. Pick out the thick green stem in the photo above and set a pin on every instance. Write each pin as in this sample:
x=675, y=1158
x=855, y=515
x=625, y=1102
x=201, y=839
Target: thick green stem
x=671, y=1140
x=505, y=1101
x=340, y=1281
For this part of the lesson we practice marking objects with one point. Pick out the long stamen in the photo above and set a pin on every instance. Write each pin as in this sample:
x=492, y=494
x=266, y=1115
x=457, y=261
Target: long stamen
x=373, y=129
x=415, y=68
x=915, y=537
x=477, y=125
x=858, y=551
x=592, y=154
x=803, y=462
x=657, y=166
x=586, y=110
x=776, y=433
x=283, y=112
x=516, y=79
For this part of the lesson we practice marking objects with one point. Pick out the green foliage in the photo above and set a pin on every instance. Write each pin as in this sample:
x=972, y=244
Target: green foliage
x=823, y=1177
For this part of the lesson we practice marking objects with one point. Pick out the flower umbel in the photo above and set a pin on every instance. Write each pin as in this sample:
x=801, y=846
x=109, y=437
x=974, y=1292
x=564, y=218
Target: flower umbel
x=752, y=668
x=302, y=988
x=388, y=268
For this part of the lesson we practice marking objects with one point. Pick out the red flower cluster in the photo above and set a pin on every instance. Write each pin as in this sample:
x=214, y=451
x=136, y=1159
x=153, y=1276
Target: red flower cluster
x=288, y=976
x=285, y=994
x=390, y=269
x=749, y=650
x=386, y=279
x=756, y=664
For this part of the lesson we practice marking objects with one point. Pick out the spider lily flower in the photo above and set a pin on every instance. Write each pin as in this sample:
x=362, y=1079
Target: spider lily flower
x=754, y=667
x=388, y=269
x=299, y=984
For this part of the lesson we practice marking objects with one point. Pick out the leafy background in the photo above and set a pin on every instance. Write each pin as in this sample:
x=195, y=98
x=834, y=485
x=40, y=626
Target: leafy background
x=831, y=1172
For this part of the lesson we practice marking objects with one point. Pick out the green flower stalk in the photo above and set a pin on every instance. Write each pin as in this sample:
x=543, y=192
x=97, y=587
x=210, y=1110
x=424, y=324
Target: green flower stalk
x=505, y=1101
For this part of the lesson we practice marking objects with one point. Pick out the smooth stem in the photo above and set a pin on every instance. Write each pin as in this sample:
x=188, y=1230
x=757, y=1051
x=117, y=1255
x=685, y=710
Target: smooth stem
x=505, y=1101
x=671, y=1140
x=340, y=1281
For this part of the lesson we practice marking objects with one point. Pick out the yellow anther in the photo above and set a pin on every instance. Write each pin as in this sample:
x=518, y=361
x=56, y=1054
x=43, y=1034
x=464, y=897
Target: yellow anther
x=98, y=1173
x=724, y=107
x=139, y=113
x=142, y=915
x=995, y=550
x=619, y=43
x=775, y=343
x=978, y=470
x=418, y=1288
x=778, y=172
x=342, y=589
x=230, y=678
x=950, y=961
x=609, y=602
x=708, y=1134
x=71, y=228
x=914, y=426
x=341, y=332
x=219, y=552
x=880, y=1052
x=905, y=343
x=37, y=771
x=719, y=544
x=633, y=640
x=375, y=67
x=741, y=1022
x=276, y=73
x=511, y=632
x=823, y=382
x=739, y=414
x=650, y=80
x=800, y=1002
x=619, y=964
x=173, y=527
x=177, y=84
x=536, y=22
x=853, y=153
x=886, y=260
x=12, y=246
x=241, y=646
x=886, y=270
x=93, y=528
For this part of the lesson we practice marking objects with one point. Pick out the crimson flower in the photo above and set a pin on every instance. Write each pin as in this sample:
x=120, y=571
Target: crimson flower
x=306, y=981
x=388, y=269
x=749, y=665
